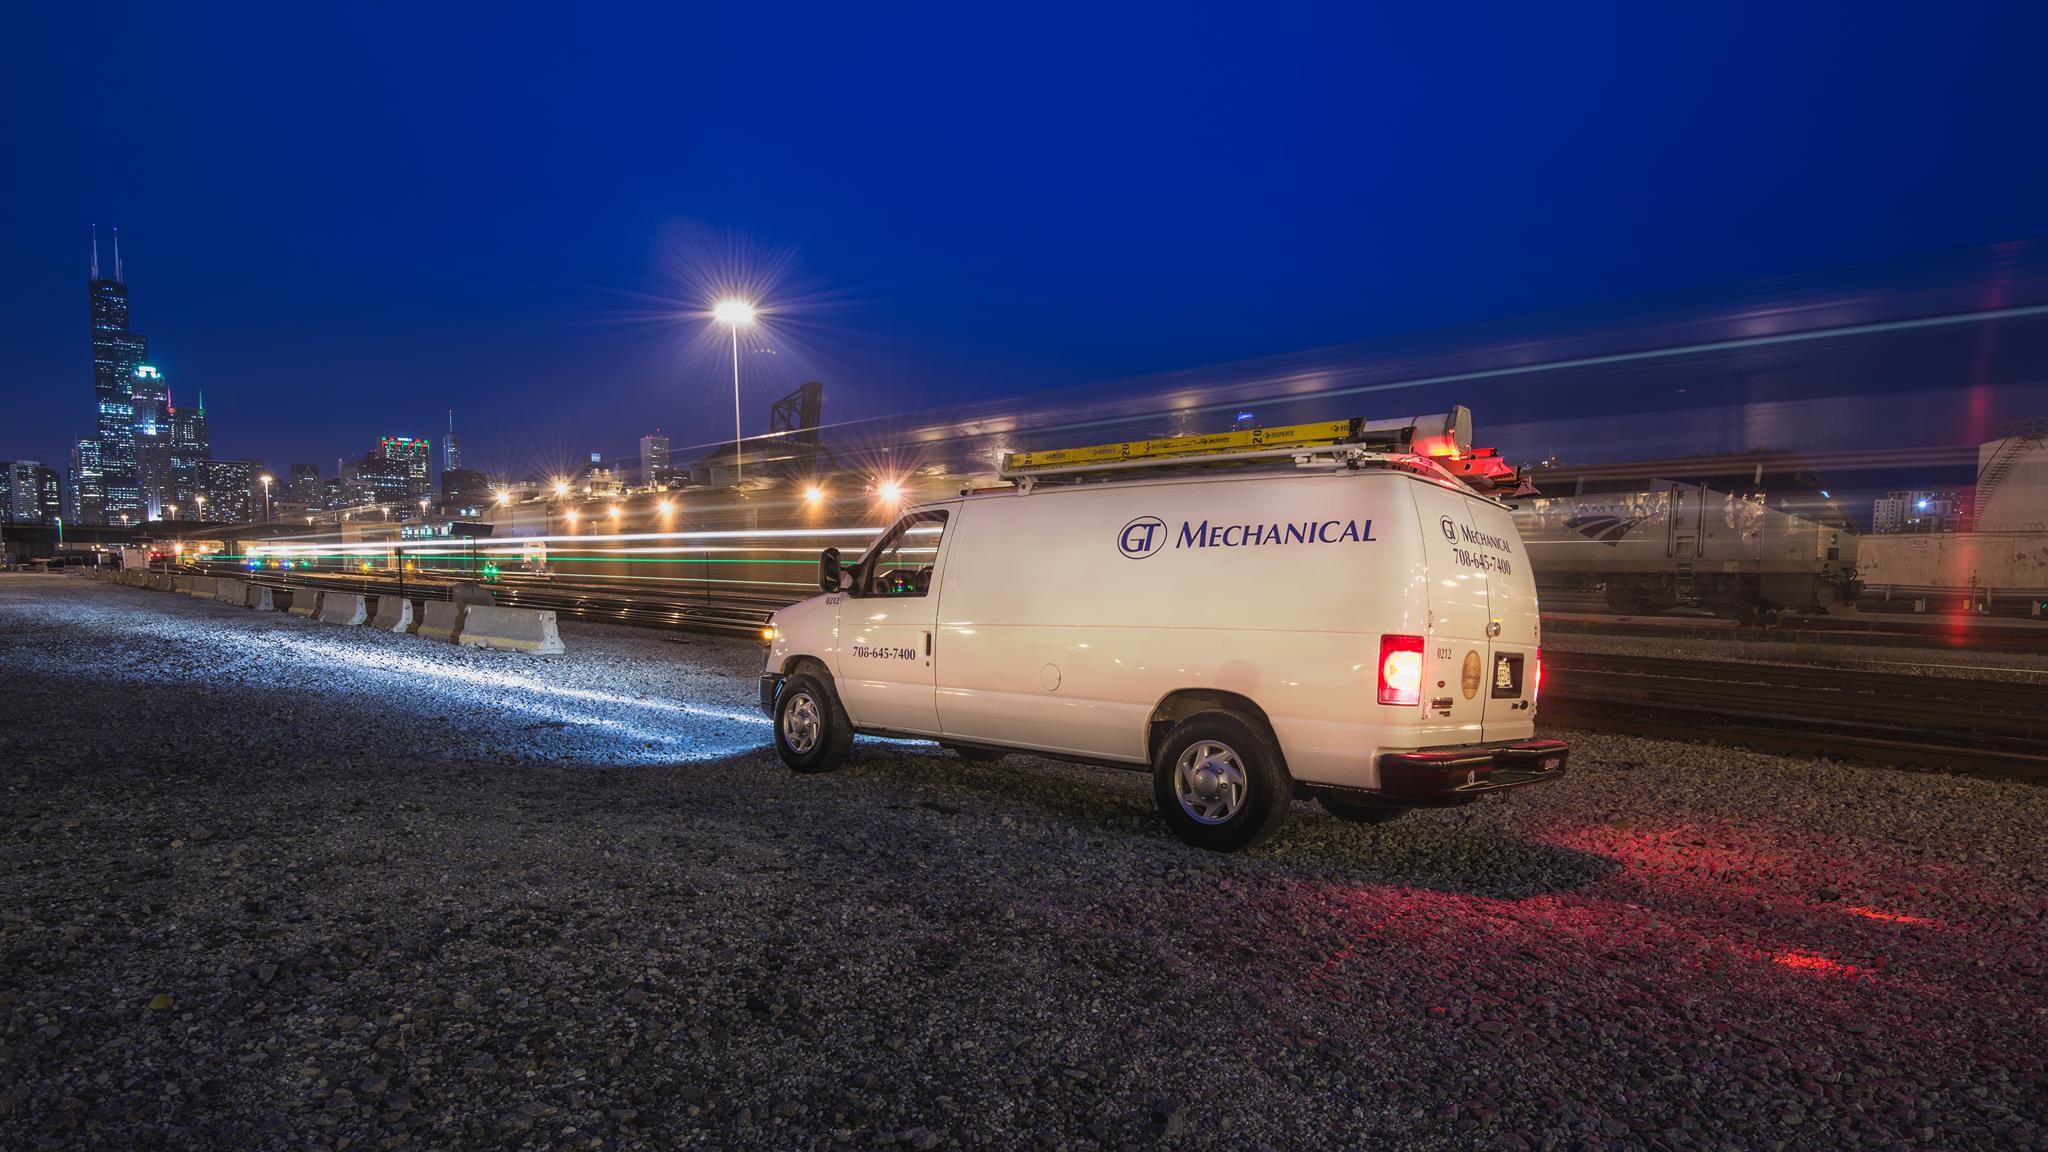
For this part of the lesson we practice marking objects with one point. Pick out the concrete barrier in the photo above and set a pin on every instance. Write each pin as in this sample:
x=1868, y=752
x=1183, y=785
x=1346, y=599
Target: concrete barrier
x=442, y=620
x=257, y=596
x=529, y=630
x=394, y=614
x=305, y=602
x=161, y=582
x=202, y=587
x=342, y=608
x=231, y=591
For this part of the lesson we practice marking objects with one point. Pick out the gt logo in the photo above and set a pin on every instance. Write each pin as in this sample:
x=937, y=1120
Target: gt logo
x=1450, y=529
x=1142, y=537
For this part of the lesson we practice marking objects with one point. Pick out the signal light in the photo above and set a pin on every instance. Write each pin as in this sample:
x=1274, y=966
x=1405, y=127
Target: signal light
x=1536, y=681
x=1401, y=670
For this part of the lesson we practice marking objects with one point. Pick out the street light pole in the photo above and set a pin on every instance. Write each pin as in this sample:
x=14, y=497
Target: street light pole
x=738, y=463
x=735, y=314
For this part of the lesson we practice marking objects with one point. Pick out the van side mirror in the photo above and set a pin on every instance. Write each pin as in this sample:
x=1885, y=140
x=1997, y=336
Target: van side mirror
x=831, y=577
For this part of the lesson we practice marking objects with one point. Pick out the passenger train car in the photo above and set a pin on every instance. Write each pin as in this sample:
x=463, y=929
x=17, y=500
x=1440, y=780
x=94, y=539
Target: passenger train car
x=1729, y=535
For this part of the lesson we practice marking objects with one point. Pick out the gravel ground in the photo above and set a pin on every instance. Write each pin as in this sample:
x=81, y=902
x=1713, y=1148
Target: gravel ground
x=274, y=884
x=1974, y=664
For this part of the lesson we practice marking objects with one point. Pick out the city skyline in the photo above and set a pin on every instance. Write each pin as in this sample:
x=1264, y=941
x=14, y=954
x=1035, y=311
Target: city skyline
x=1028, y=230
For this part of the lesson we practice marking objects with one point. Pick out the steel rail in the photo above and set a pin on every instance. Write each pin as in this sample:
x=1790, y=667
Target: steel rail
x=1982, y=727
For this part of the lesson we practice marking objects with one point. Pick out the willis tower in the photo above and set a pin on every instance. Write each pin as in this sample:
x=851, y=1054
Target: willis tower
x=116, y=354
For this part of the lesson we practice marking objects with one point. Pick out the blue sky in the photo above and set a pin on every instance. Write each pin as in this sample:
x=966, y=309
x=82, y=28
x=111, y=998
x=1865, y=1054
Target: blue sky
x=340, y=221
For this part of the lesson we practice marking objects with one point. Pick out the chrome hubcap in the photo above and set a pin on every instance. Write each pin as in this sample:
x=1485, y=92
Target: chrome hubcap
x=1209, y=780
x=801, y=723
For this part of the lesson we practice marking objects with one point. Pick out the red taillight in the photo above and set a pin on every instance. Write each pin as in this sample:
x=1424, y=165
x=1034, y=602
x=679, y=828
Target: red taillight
x=1401, y=670
x=1536, y=684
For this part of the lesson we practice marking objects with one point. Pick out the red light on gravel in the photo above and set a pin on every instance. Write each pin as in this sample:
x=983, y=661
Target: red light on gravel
x=1869, y=913
x=1818, y=965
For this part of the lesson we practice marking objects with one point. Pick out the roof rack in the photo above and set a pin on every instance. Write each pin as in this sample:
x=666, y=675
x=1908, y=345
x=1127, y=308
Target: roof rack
x=1448, y=433
x=1443, y=439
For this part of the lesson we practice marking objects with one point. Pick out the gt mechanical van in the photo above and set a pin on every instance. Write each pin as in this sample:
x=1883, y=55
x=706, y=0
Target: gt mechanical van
x=1339, y=611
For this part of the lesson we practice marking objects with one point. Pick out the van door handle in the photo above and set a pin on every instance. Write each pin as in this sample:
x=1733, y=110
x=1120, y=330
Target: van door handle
x=1492, y=628
x=927, y=643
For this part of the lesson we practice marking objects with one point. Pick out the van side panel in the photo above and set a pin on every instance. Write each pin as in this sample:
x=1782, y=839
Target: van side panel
x=1067, y=615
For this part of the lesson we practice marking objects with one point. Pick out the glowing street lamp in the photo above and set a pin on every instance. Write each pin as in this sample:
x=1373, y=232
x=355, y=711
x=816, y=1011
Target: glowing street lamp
x=890, y=491
x=813, y=494
x=735, y=314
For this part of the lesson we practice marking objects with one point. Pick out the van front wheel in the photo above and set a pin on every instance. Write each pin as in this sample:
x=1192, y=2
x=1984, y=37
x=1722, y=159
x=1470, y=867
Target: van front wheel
x=812, y=733
x=1219, y=783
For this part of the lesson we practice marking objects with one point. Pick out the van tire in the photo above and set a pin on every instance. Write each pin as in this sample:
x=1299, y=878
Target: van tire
x=1267, y=791
x=832, y=740
x=1361, y=813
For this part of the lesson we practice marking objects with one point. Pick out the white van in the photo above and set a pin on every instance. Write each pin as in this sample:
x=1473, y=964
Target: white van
x=1334, y=611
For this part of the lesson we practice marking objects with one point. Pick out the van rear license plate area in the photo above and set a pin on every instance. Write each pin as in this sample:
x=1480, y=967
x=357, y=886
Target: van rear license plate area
x=1507, y=676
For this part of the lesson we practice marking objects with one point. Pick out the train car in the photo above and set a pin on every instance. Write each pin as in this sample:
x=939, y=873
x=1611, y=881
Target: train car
x=1707, y=534
x=1984, y=573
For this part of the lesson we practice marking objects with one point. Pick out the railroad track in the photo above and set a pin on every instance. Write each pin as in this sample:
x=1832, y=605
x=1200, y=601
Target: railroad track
x=2016, y=634
x=1983, y=727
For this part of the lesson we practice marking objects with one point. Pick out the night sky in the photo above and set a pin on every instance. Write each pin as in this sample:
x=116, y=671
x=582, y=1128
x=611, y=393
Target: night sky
x=339, y=222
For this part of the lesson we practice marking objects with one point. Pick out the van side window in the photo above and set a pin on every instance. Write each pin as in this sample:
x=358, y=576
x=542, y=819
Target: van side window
x=901, y=565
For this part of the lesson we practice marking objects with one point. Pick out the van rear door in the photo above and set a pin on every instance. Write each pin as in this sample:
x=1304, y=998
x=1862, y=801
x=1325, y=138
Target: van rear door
x=1455, y=650
x=1490, y=542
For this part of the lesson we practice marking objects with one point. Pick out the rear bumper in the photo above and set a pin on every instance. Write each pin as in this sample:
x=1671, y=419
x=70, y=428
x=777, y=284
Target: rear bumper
x=1440, y=774
x=771, y=687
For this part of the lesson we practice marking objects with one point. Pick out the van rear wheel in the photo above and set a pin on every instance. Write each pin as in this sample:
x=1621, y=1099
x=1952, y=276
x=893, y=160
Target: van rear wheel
x=1219, y=783
x=812, y=733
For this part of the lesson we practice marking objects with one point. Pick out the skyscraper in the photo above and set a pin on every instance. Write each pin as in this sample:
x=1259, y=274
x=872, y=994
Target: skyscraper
x=418, y=458
x=232, y=494
x=305, y=485
x=89, y=484
x=151, y=399
x=29, y=493
x=385, y=479
x=116, y=353
x=653, y=459
x=451, y=453
x=190, y=447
